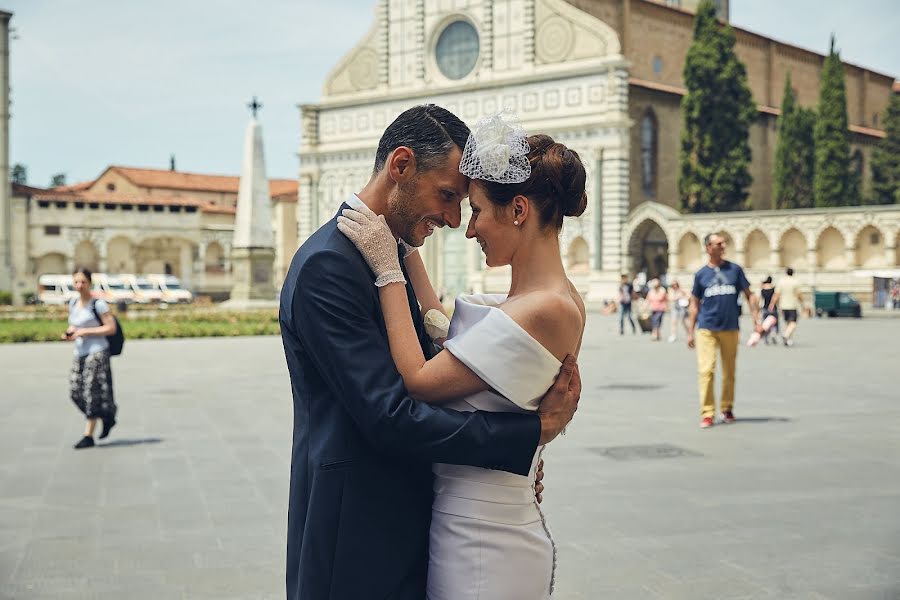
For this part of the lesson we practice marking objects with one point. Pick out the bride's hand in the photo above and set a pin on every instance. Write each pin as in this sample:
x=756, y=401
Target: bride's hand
x=375, y=241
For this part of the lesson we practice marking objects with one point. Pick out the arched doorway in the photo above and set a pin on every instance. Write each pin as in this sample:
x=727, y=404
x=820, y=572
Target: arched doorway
x=86, y=255
x=579, y=256
x=870, y=252
x=649, y=250
x=830, y=249
x=690, y=253
x=793, y=250
x=53, y=263
x=120, y=255
x=756, y=250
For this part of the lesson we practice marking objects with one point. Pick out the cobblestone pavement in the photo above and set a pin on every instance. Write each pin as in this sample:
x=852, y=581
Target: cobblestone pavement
x=187, y=499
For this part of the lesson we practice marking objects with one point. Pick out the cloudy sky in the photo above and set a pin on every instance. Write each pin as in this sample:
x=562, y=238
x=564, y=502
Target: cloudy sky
x=99, y=82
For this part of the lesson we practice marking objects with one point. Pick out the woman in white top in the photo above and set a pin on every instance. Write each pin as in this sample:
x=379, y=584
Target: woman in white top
x=488, y=538
x=90, y=380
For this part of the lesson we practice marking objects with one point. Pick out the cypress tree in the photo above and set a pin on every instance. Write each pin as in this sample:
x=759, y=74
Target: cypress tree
x=886, y=158
x=832, y=179
x=795, y=158
x=718, y=109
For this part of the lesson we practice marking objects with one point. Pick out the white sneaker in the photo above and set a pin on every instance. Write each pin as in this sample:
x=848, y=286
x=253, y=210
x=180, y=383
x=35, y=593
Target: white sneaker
x=671, y=338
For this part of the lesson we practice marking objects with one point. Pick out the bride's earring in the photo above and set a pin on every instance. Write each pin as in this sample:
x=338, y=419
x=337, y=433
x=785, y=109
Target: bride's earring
x=516, y=222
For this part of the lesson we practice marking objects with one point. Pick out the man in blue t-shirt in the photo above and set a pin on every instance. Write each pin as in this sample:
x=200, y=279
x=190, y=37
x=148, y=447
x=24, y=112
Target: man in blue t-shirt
x=714, y=310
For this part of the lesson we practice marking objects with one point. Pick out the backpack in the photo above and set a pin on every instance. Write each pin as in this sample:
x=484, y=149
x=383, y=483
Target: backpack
x=117, y=339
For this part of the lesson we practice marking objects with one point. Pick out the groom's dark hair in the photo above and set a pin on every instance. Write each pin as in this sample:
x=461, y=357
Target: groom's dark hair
x=428, y=130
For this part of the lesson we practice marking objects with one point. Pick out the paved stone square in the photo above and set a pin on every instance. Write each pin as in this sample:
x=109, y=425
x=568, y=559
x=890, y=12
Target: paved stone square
x=187, y=499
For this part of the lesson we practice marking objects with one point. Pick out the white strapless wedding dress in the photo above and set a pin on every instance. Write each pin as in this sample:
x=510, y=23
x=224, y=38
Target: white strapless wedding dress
x=489, y=540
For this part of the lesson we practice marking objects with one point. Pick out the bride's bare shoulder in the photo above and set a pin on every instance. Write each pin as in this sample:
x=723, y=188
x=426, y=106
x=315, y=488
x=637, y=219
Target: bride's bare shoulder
x=553, y=319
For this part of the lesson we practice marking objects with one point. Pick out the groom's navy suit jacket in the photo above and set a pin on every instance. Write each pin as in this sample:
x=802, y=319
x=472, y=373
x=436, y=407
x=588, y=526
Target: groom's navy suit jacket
x=361, y=483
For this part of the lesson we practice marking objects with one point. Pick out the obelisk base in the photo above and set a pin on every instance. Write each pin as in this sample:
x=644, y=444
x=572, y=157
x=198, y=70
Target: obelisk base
x=252, y=270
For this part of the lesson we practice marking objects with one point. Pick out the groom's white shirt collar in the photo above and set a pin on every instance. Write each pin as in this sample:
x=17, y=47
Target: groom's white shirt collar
x=354, y=202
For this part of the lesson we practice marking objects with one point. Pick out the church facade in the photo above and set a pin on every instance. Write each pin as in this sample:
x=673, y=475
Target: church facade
x=605, y=78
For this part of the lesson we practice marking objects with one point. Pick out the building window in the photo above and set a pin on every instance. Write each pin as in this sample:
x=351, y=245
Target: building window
x=127, y=207
x=174, y=208
x=158, y=208
x=856, y=163
x=190, y=209
x=51, y=229
x=143, y=207
x=874, y=239
x=657, y=64
x=875, y=120
x=43, y=204
x=109, y=206
x=79, y=205
x=93, y=205
x=110, y=187
x=648, y=153
x=60, y=204
x=457, y=49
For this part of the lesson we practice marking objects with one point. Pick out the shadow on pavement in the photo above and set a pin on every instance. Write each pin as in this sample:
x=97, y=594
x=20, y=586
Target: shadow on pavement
x=761, y=420
x=121, y=443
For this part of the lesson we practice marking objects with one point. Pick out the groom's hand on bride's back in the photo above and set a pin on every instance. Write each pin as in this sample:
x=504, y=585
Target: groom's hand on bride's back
x=559, y=404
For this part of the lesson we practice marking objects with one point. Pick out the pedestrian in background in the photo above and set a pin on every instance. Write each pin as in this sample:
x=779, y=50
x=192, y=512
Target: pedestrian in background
x=626, y=295
x=787, y=297
x=90, y=381
x=714, y=310
x=658, y=299
x=769, y=308
x=680, y=302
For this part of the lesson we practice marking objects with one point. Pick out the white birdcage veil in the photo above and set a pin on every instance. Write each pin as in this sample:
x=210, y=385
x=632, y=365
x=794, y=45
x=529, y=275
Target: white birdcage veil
x=496, y=150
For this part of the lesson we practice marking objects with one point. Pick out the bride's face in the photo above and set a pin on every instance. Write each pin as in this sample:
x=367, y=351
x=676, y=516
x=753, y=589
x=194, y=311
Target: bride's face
x=491, y=227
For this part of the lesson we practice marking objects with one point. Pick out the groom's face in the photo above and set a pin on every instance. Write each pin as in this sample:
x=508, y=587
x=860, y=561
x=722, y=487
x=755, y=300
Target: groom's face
x=426, y=200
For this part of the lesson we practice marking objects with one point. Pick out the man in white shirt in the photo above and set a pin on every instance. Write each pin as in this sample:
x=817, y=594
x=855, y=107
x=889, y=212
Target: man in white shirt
x=787, y=296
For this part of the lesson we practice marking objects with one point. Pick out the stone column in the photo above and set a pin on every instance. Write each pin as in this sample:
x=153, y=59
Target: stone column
x=775, y=258
x=850, y=257
x=186, y=264
x=614, y=208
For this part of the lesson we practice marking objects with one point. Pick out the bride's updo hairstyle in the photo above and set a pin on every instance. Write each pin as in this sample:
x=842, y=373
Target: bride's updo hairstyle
x=555, y=187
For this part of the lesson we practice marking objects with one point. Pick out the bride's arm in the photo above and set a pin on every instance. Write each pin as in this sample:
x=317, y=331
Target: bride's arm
x=443, y=377
x=418, y=276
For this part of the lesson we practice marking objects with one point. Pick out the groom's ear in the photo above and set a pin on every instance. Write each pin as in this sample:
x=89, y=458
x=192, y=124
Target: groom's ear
x=401, y=163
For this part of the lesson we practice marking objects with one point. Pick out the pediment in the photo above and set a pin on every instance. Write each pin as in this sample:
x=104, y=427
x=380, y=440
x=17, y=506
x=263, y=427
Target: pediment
x=358, y=70
x=564, y=33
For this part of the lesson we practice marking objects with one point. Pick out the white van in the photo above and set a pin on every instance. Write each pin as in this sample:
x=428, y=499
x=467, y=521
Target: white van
x=56, y=289
x=171, y=289
x=112, y=288
x=144, y=290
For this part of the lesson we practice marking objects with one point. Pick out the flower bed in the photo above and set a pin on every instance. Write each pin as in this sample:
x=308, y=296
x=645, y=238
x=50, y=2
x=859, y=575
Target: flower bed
x=48, y=325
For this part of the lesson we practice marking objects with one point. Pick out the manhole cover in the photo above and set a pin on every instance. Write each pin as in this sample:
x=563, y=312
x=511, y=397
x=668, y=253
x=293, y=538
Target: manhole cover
x=644, y=452
x=631, y=386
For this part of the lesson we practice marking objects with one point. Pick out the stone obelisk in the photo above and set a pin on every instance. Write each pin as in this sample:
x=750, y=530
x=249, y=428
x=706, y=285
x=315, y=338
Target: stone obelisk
x=253, y=247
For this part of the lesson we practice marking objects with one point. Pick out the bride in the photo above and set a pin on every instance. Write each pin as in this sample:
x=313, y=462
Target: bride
x=488, y=537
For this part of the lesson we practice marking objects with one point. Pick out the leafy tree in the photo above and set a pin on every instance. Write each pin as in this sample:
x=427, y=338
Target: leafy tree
x=886, y=158
x=19, y=174
x=795, y=158
x=718, y=109
x=58, y=180
x=833, y=185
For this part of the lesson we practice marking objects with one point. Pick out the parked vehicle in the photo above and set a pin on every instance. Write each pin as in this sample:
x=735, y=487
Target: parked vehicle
x=55, y=289
x=837, y=304
x=112, y=288
x=171, y=289
x=144, y=290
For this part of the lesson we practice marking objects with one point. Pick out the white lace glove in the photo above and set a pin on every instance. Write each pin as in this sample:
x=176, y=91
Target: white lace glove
x=407, y=249
x=373, y=238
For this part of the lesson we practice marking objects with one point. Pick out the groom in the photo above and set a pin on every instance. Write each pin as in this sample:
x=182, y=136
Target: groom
x=360, y=497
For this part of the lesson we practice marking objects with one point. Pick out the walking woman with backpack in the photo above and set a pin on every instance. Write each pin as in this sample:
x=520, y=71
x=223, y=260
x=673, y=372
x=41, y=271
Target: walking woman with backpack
x=90, y=382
